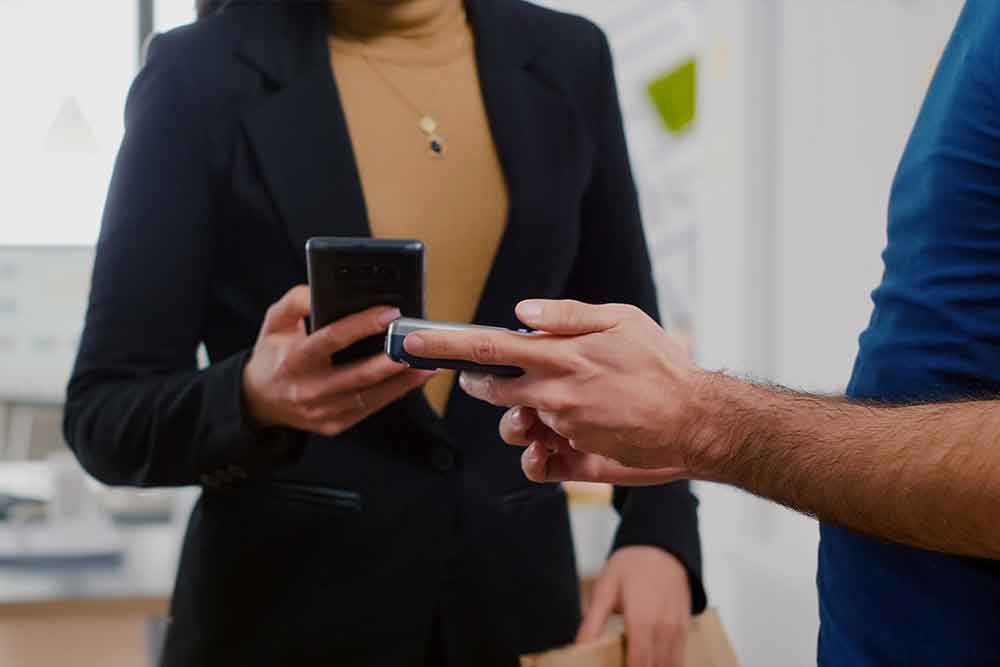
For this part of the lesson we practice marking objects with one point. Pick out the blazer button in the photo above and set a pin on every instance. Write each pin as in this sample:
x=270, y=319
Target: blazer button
x=442, y=458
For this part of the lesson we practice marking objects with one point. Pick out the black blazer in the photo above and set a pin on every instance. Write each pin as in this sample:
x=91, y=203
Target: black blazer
x=304, y=548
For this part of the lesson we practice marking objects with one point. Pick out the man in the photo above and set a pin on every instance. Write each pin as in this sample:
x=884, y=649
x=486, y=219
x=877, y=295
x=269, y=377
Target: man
x=608, y=389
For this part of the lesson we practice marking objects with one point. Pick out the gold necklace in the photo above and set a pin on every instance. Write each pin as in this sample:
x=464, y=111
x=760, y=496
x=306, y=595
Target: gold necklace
x=426, y=123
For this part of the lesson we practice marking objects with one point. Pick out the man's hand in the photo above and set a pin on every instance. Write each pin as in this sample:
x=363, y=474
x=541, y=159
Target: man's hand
x=605, y=379
x=550, y=458
x=650, y=588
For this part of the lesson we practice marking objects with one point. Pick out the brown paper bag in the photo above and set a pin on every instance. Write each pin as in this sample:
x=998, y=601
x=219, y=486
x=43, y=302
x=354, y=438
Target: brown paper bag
x=707, y=646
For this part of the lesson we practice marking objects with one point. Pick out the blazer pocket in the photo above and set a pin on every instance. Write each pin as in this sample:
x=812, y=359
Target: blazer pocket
x=317, y=496
x=532, y=495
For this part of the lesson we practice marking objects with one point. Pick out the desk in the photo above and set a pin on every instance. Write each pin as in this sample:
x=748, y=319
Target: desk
x=92, y=614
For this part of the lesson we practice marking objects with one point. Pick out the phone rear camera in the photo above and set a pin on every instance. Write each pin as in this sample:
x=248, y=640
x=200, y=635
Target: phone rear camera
x=367, y=272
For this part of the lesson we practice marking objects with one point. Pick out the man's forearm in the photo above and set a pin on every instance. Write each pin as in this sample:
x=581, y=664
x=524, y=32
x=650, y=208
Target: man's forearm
x=927, y=476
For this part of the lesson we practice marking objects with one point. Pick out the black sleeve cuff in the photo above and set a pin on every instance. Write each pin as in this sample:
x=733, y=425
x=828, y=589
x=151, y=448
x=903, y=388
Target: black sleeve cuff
x=237, y=451
x=666, y=517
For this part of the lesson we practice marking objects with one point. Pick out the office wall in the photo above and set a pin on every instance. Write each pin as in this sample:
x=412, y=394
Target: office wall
x=806, y=106
x=852, y=75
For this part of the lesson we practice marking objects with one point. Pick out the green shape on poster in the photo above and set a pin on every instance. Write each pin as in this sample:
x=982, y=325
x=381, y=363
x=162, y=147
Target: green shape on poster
x=674, y=95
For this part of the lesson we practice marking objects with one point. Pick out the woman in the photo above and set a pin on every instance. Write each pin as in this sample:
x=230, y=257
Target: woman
x=347, y=517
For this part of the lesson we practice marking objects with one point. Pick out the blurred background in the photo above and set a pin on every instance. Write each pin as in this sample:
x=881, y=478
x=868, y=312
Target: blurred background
x=764, y=134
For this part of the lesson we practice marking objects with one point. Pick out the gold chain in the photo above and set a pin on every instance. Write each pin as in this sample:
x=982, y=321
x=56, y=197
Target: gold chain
x=426, y=122
x=397, y=91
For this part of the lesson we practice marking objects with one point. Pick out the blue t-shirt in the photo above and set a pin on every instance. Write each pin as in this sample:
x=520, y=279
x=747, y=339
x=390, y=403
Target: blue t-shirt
x=934, y=335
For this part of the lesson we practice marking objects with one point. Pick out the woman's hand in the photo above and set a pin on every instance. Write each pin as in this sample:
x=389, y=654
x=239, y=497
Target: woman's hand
x=650, y=588
x=289, y=380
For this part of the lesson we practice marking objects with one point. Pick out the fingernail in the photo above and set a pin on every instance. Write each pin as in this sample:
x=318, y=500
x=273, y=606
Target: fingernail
x=529, y=311
x=530, y=456
x=414, y=344
x=467, y=381
x=386, y=318
x=517, y=417
x=470, y=382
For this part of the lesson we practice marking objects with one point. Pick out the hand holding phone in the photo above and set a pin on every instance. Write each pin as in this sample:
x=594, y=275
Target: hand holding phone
x=288, y=380
x=401, y=328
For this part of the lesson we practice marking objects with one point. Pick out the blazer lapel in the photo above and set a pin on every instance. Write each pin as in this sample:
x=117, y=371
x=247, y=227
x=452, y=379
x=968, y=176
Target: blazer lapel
x=300, y=137
x=299, y=133
x=539, y=139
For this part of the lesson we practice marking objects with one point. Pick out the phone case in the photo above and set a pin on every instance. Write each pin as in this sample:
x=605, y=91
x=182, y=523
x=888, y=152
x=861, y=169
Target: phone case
x=348, y=275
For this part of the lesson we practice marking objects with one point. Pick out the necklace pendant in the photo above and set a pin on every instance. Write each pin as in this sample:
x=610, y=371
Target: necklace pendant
x=435, y=146
x=428, y=125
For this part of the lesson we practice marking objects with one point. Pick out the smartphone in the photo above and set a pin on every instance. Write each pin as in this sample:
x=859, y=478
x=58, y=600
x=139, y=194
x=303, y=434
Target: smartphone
x=348, y=275
x=402, y=327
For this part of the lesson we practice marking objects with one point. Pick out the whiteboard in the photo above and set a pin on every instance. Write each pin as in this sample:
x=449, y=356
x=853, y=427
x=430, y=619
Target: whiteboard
x=43, y=297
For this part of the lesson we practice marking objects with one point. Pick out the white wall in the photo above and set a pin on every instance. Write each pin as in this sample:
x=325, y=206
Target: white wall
x=852, y=75
x=806, y=106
